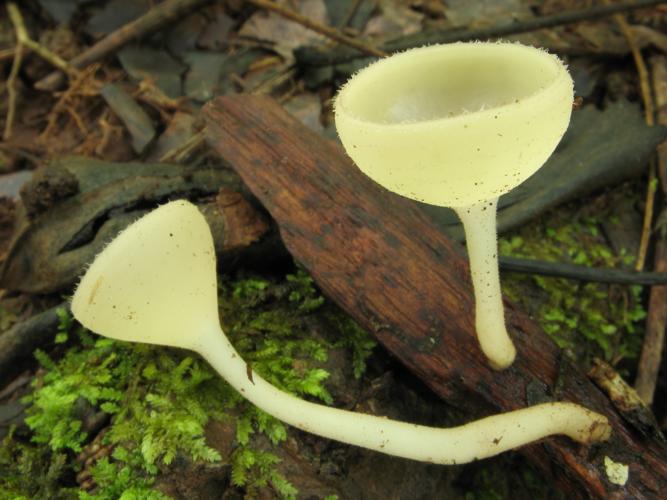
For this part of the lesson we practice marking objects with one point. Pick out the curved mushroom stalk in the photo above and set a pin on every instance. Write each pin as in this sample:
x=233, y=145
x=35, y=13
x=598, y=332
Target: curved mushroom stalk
x=476, y=440
x=156, y=283
x=458, y=125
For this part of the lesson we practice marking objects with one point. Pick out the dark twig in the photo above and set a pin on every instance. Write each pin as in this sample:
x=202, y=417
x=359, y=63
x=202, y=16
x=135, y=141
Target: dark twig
x=160, y=15
x=322, y=29
x=581, y=273
x=321, y=57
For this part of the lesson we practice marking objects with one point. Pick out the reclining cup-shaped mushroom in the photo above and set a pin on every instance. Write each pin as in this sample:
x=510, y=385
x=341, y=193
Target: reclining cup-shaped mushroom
x=157, y=283
x=459, y=125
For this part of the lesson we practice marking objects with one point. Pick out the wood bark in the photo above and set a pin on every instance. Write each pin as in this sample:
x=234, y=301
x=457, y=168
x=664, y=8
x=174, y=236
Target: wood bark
x=381, y=259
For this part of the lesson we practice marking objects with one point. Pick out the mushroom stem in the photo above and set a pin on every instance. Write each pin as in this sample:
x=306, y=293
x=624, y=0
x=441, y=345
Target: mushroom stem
x=157, y=283
x=475, y=440
x=479, y=224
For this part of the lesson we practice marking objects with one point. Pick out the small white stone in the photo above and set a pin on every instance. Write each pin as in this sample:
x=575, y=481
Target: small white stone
x=617, y=473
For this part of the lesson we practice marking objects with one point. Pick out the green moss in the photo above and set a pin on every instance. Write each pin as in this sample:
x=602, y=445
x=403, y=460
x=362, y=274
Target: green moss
x=159, y=400
x=586, y=319
x=29, y=472
x=353, y=338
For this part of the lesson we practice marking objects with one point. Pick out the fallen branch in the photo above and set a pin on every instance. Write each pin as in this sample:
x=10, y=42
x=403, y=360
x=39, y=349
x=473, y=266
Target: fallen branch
x=18, y=343
x=382, y=260
x=311, y=56
x=159, y=16
x=582, y=273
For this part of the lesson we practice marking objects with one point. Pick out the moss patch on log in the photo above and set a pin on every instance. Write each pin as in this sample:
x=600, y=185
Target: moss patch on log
x=105, y=418
x=585, y=319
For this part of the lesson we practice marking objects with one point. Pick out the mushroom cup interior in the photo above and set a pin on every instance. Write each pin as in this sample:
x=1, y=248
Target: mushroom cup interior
x=457, y=124
x=434, y=85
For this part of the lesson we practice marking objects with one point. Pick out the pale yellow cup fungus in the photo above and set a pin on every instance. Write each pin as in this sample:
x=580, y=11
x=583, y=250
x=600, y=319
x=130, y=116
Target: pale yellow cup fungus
x=458, y=125
x=157, y=283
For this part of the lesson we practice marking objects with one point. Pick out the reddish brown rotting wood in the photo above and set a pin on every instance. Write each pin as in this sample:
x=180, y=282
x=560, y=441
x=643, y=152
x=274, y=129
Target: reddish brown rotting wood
x=381, y=259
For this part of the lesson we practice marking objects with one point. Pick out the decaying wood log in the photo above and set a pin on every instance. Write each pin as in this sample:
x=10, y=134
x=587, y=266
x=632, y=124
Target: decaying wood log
x=382, y=260
x=72, y=207
x=19, y=342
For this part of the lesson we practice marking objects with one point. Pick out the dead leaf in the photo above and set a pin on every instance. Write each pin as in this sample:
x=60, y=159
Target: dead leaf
x=286, y=35
x=136, y=120
x=486, y=12
x=203, y=78
x=396, y=18
x=216, y=33
x=307, y=108
x=115, y=14
x=648, y=36
x=155, y=65
x=49, y=252
x=180, y=129
x=350, y=13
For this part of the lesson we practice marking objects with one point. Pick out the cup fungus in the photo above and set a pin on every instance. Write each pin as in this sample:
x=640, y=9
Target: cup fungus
x=156, y=283
x=458, y=125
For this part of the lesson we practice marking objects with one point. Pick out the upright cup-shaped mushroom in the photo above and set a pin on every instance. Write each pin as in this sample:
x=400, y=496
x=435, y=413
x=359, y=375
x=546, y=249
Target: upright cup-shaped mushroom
x=459, y=125
x=157, y=283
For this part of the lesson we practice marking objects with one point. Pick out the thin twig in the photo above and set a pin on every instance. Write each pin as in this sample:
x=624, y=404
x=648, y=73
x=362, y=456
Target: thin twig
x=270, y=84
x=108, y=131
x=23, y=38
x=183, y=151
x=12, y=91
x=323, y=56
x=77, y=83
x=649, y=207
x=648, y=368
x=49, y=56
x=649, y=112
x=160, y=15
x=7, y=53
x=650, y=359
x=581, y=273
x=322, y=29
